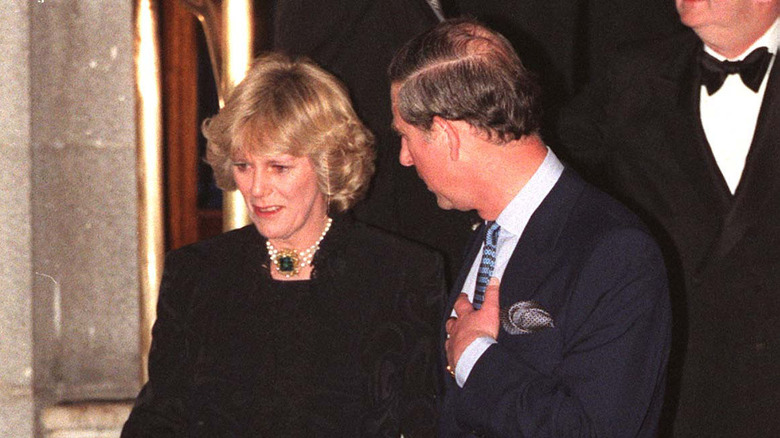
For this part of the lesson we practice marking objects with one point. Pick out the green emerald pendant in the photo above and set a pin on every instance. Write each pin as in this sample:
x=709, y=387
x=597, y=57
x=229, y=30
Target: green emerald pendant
x=286, y=264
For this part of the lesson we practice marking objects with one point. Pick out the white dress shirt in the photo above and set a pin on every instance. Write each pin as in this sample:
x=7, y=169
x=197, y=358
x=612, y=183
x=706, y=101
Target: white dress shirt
x=729, y=115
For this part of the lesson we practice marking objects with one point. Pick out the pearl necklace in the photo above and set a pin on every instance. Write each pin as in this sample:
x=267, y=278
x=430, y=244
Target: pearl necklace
x=289, y=262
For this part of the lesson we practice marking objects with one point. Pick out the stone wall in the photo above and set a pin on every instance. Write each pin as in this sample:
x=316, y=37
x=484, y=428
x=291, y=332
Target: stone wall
x=16, y=343
x=68, y=226
x=84, y=420
x=84, y=209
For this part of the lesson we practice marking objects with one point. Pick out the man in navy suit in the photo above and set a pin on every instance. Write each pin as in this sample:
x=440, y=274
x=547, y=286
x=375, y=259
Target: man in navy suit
x=574, y=341
x=692, y=144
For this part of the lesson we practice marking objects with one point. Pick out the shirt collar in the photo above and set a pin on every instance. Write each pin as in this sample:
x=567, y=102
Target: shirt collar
x=516, y=215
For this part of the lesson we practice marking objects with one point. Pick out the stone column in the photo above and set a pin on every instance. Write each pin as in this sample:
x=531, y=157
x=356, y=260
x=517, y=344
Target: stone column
x=83, y=201
x=16, y=341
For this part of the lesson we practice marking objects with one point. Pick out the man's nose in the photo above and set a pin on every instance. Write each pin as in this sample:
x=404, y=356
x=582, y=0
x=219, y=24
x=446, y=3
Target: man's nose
x=404, y=157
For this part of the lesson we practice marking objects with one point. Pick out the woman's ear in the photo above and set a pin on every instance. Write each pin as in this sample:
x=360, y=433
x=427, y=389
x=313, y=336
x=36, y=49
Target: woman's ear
x=445, y=132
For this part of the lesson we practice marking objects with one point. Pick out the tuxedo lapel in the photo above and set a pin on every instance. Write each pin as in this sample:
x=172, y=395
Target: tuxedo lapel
x=759, y=178
x=685, y=132
x=680, y=79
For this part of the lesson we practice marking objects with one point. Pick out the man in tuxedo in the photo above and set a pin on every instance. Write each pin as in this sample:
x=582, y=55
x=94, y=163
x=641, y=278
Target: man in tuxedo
x=686, y=131
x=574, y=341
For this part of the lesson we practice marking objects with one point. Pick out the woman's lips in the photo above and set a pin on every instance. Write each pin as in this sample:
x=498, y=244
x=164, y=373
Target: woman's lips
x=266, y=211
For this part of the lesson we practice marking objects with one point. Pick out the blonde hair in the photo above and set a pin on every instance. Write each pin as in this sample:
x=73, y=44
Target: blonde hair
x=292, y=106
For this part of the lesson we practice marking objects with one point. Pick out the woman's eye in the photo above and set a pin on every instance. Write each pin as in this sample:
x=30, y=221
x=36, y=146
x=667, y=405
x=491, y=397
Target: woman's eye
x=240, y=166
x=280, y=168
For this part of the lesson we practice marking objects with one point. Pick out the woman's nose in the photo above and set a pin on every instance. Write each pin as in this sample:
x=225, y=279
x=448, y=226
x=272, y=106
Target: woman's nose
x=260, y=187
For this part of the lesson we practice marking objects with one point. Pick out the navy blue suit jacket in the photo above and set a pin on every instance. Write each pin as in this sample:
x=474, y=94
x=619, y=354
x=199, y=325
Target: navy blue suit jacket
x=600, y=371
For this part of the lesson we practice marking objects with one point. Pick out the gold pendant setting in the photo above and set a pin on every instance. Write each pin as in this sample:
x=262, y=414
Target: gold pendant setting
x=287, y=262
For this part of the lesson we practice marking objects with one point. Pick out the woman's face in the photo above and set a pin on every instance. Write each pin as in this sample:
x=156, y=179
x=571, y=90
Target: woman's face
x=283, y=198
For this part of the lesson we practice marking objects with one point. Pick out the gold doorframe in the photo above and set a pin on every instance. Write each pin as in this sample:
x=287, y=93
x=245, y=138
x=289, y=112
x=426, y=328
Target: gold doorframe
x=149, y=159
x=228, y=25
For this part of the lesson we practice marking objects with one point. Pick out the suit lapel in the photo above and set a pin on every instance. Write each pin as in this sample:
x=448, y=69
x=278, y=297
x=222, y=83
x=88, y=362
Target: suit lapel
x=534, y=254
x=474, y=245
x=537, y=251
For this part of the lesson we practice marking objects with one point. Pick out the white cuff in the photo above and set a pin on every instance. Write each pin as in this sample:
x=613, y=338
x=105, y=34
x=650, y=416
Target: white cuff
x=469, y=358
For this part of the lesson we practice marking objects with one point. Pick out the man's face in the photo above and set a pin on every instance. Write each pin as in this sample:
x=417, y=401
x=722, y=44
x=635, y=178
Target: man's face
x=430, y=158
x=715, y=16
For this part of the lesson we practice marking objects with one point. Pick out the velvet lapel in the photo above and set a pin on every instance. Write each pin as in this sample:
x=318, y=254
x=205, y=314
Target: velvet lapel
x=760, y=178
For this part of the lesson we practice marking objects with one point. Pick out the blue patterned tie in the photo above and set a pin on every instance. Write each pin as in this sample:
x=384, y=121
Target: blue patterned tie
x=487, y=264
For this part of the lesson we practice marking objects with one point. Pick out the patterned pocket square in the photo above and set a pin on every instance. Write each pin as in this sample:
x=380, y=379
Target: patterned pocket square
x=525, y=317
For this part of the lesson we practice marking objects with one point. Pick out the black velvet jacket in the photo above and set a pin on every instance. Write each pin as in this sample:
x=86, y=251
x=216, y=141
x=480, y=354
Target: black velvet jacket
x=351, y=352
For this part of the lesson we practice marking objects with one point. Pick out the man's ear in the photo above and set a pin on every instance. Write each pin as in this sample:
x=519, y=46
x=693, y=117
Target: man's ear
x=444, y=131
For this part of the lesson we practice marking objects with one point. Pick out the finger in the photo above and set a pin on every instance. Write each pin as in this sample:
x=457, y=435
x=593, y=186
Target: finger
x=491, y=294
x=462, y=305
x=449, y=324
x=448, y=351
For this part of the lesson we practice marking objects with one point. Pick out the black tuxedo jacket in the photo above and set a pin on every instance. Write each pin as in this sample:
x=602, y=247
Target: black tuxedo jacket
x=638, y=132
x=600, y=370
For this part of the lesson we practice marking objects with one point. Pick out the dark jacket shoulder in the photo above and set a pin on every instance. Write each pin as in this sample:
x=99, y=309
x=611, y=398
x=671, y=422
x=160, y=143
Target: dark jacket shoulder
x=221, y=245
x=388, y=245
x=650, y=54
x=595, y=212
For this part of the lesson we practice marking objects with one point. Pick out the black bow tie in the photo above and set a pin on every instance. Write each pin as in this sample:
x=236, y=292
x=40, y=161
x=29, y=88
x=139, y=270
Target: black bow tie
x=751, y=69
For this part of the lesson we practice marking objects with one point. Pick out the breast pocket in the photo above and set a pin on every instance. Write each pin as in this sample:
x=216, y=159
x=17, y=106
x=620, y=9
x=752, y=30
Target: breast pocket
x=541, y=350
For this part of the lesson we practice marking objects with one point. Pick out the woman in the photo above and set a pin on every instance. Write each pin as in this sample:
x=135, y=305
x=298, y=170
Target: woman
x=304, y=323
